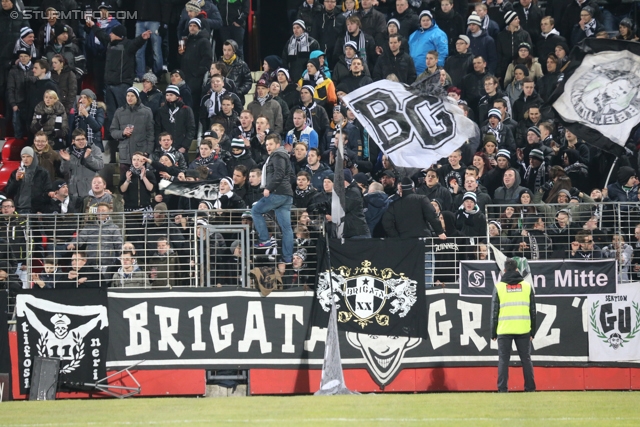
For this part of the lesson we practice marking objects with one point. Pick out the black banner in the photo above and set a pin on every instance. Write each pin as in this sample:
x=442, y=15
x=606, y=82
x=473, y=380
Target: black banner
x=68, y=324
x=550, y=277
x=215, y=329
x=377, y=284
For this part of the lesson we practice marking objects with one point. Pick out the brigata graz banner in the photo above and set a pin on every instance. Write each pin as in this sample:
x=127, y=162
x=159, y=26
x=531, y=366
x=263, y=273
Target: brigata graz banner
x=550, y=277
x=71, y=325
x=213, y=329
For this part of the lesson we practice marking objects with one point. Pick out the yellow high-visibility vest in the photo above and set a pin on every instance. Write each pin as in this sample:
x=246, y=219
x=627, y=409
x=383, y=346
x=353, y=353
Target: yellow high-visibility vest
x=514, y=318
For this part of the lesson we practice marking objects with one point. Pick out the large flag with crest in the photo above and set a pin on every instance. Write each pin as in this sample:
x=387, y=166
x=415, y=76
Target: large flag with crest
x=598, y=99
x=378, y=286
x=414, y=125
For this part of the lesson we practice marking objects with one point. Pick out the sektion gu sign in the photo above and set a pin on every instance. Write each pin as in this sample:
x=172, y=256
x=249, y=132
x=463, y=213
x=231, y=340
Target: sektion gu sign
x=550, y=277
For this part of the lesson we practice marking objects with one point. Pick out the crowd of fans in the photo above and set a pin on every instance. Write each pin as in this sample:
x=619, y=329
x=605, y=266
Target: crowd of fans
x=498, y=61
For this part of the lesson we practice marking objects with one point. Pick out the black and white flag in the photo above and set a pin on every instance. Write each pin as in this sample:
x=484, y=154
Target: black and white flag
x=338, y=193
x=67, y=324
x=377, y=284
x=598, y=98
x=412, y=128
x=202, y=190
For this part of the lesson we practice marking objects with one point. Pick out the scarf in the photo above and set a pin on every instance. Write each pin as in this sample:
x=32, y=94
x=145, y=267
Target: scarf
x=590, y=27
x=298, y=44
x=215, y=103
x=21, y=45
x=92, y=113
x=135, y=172
x=309, y=110
x=25, y=67
x=553, y=31
x=77, y=152
x=47, y=33
x=203, y=161
x=540, y=176
x=496, y=132
x=362, y=51
x=303, y=193
x=485, y=23
x=230, y=60
x=172, y=113
x=348, y=61
x=263, y=99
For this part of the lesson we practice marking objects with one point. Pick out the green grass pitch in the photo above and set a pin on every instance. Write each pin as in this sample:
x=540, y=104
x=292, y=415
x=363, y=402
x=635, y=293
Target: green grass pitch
x=429, y=409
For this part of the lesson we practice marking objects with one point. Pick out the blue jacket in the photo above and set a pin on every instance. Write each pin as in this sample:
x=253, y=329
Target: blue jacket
x=422, y=41
x=484, y=46
x=325, y=69
x=308, y=136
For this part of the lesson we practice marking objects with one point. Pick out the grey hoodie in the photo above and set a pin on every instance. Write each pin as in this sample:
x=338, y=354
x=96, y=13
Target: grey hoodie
x=505, y=196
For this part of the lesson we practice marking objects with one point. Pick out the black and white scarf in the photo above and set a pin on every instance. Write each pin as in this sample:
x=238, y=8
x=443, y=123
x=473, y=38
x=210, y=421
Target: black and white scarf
x=263, y=99
x=298, y=44
x=24, y=67
x=496, y=132
x=215, y=103
x=136, y=172
x=92, y=113
x=362, y=48
x=21, y=45
x=203, y=161
x=540, y=176
x=590, y=27
x=303, y=193
x=309, y=111
x=77, y=152
x=172, y=118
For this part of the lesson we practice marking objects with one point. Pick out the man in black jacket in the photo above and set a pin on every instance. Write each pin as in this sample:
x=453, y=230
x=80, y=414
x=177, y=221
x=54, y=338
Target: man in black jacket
x=460, y=64
x=238, y=70
x=328, y=26
x=38, y=85
x=196, y=59
x=278, y=197
x=395, y=61
x=165, y=145
x=234, y=21
x=120, y=64
x=508, y=42
x=412, y=215
x=407, y=17
x=29, y=185
x=177, y=119
x=355, y=223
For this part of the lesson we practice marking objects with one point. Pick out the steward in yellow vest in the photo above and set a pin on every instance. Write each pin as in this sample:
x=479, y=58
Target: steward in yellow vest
x=513, y=318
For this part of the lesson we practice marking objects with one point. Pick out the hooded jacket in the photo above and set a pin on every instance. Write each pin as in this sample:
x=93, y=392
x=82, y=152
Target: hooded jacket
x=505, y=196
x=277, y=173
x=355, y=223
x=457, y=66
x=472, y=223
x=136, y=279
x=30, y=194
x=422, y=41
x=142, y=138
x=412, y=215
x=183, y=126
x=327, y=28
x=102, y=240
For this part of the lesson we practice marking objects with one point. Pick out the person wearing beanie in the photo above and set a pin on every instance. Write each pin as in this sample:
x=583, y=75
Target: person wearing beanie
x=16, y=94
x=29, y=185
x=176, y=119
x=625, y=189
x=525, y=62
x=12, y=20
x=481, y=43
x=264, y=105
x=587, y=27
x=460, y=60
x=364, y=43
x=395, y=60
x=119, y=70
x=342, y=68
x=412, y=215
x=469, y=220
x=90, y=118
x=151, y=96
x=427, y=38
x=132, y=127
x=240, y=156
x=626, y=30
x=270, y=66
x=508, y=42
x=536, y=175
x=62, y=44
x=297, y=50
x=227, y=198
x=195, y=60
x=324, y=88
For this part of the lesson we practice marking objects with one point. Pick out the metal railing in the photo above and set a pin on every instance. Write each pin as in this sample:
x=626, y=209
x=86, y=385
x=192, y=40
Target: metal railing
x=580, y=230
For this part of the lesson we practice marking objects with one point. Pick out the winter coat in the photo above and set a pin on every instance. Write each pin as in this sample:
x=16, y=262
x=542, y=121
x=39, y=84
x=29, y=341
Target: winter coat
x=196, y=59
x=120, y=64
x=51, y=120
x=142, y=138
x=485, y=46
x=452, y=24
x=507, y=140
x=412, y=215
x=457, y=66
x=483, y=200
x=422, y=41
x=152, y=99
x=308, y=14
x=102, y=241
x=355, y=223
x=40, y=188
x=217, y=168
x=486, y=103
x=180, y=161
x=578, y=34
x=82, y=171
x=351, y=83
x=401, y=65
x=473, y=88
x=35, y=92
x=506, y=196
x=183, y=129
x=278, y=173
x=327, y=28
x=409, y=22
x=17, y=86
x=319, y=118
x=240, y=74
x=93, y=46
x=318, y=175
x=291, y=96
x=341, y=71
x=205, y=101
x=9, y=34
x=571, y=16
x=523, y=103
x=271, y=110
x=67, y=87
x=228, y=122
x=373, y=23
x=439, y=192
x=368, y=53
x=547, y=84
x=297, y=63
x=94, y=122
x=137, y=196
x=49, y=160
x=72, y=53
x=234, y=11
x=136, y=279
x=547, y=45
x=530, y=21
x=535, y=71
x=507, y=46
x=244, y=159
x=164, y=266
x=375, y=205
x=471, y=223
